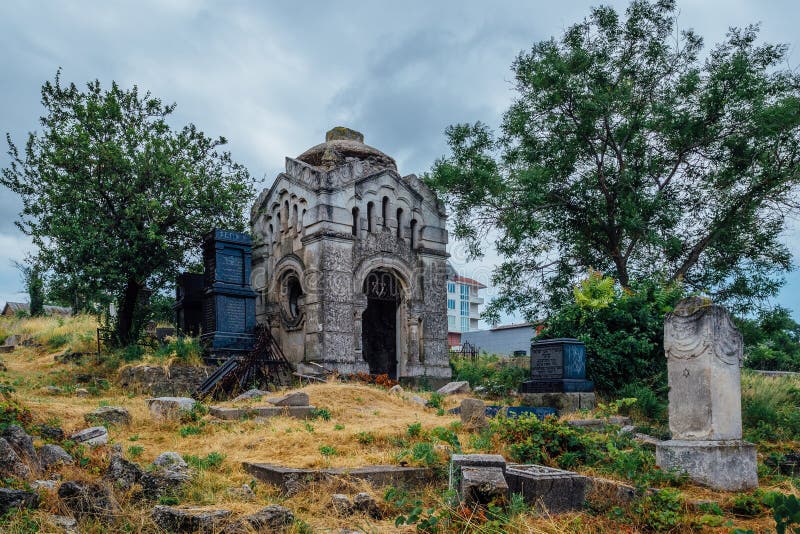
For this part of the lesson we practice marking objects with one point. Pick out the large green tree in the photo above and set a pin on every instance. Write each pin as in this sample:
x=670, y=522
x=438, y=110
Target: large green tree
x=630, y=150
x=114, y=198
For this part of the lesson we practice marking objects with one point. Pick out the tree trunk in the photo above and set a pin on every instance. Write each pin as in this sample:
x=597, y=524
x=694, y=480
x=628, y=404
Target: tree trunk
x=127, y=311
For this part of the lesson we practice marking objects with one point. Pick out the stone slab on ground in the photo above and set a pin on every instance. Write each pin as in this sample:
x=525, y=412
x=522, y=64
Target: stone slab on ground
x=94, y=436
x=19, y=499
x=454, y=388
x=483, y=485
x=52, y=455
x=547, y=489
x=6, y=348
x=158, y=381
x=473, y=414
x=251, y=394
x=728, y=465
x=235, y=414
x=290, y=479
x=295, y=398
x=189, y=519
x=114, y=415
x=563, y=402
x=169, y=408
x=458, y=461
x=271, y=518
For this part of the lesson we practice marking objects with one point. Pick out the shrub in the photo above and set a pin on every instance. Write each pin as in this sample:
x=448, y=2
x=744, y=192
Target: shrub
x=436, y=400
x=497, y=376
x=770, y=407
x=623, y=330
x=772, y=341
x=414, y=430
x=185, y=350
x=328, y=450
x=365, y=438
x=211, y=461
x=660, y=511
x=321, y=413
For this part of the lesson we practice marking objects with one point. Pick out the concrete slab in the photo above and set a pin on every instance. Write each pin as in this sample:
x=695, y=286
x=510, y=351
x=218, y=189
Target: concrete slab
x=547, y=489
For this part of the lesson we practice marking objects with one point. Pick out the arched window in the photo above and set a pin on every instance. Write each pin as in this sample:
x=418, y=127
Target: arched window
x=400, y=223
x=385, y=211
x=413, y=233
x=301, y=221
x=285, y=217
x=271, y=234
x=370, y=209
x=280, y=224
x=355, y=220
x=295, y=218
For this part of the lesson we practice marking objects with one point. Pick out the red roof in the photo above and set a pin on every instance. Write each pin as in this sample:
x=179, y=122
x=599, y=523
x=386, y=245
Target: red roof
x=468, y=281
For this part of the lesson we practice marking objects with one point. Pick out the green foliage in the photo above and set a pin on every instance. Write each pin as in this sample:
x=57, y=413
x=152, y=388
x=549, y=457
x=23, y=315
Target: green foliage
x=13, y=412
x=211, y=461
x=497, y=376
x=191, y=430
x=186, y=350
x=365, y=438
x=34, y=285
x=425, y=453
x=772, y=341
x=631, y=150
x=134, y=451
x=328, y=450
x=436, y=400
x=115, y=199
x=448, y=436
x=746, y=504
x=414, y=430
x=785, y=511
x=660, y=511
x=624, y=338
x=198, y=411
x=770, y=408
x=321, y=413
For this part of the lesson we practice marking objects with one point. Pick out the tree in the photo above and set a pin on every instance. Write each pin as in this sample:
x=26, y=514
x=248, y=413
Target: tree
x=626, y=152
x=114, y=198
x=34, y=285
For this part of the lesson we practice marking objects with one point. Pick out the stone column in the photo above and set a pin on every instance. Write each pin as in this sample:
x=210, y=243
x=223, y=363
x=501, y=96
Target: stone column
x=704, y=356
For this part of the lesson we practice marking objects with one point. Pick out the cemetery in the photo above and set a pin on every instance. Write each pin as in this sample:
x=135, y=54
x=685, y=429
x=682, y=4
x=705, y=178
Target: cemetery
x=201, y=351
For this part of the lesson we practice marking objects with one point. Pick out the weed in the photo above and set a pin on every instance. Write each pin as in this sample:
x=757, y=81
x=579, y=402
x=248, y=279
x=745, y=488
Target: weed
x=414, y=430
x=365, y=438
x=191, y=430
x=327, y=450
x=436, y=400
x=134, y=451
x=321, y=413
x=211, y=461
x=337, y=426
x=745, y=504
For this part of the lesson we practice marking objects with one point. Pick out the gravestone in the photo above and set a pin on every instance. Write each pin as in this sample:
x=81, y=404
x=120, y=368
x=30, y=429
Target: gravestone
x=704, y=356
x=189, y=303
x=229, y=314
x=558, y=376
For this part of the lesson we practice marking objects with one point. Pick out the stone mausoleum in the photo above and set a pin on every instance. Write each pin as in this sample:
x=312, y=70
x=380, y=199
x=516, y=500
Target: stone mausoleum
x=349, y=263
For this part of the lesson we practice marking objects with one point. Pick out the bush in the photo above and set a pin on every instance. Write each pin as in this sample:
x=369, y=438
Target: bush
x=772, y=341
x=185, y=350
x=623, y=329
x=497, y=376
x=211, y=461
x=770, y=407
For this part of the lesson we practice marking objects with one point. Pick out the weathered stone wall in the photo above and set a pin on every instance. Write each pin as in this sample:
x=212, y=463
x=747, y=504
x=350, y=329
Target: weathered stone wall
x=159, y=381
x=329, y=225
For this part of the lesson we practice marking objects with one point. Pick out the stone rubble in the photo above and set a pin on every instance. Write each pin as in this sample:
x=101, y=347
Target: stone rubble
x=112, y=415
x=169, y=408
x=454, y=388
x=94, y=436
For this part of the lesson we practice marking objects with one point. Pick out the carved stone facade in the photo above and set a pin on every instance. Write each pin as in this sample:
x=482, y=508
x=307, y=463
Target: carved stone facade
x=349, y=262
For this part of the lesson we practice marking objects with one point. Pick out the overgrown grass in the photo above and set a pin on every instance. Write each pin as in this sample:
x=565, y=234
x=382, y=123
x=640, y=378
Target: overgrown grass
x=499, y=376
x=770, y=407
x=74, y=334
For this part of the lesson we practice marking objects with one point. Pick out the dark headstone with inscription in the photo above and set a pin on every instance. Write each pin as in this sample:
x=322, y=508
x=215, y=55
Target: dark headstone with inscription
x=229, y=315
x=189, y=303
x=557, y=366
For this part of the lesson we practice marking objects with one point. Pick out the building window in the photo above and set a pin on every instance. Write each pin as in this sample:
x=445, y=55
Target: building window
x=465, y=324
x=464, y=291
x=451, y=304
x=400, y=223
x=451, y=321
x=413, y=232
x=355, y=221
x=451, y=287
x=385, y=212
x=370, y=209
x=465, y=308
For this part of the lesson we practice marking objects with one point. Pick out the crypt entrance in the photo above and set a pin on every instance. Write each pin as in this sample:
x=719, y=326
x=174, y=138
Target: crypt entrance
x=381, y=332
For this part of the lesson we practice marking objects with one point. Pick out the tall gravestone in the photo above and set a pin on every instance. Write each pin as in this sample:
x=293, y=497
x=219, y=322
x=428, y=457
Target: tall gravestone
x=558, y=376
x=704, y=356
x=229, y=301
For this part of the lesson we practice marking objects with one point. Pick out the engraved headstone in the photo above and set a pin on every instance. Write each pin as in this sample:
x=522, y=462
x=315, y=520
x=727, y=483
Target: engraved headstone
x=557, y=365
x=704, y=356
x=229, y=301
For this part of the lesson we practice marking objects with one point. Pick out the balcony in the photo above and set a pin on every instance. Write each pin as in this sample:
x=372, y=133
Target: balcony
x=476, y=300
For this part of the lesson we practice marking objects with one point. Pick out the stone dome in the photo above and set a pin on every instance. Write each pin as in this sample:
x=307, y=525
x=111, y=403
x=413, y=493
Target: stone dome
x=342, y=145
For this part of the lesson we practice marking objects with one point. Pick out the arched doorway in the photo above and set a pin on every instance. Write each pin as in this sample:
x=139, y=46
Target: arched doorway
x=379, y=331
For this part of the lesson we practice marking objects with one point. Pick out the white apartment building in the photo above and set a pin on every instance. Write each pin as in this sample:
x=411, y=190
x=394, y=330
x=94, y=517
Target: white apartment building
x=463, y=305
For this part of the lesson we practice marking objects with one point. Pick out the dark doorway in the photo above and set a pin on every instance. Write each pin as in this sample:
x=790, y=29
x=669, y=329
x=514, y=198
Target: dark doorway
x=379, y=323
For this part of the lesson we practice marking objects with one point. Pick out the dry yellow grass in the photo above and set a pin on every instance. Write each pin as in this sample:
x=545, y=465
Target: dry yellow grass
x=366, y=428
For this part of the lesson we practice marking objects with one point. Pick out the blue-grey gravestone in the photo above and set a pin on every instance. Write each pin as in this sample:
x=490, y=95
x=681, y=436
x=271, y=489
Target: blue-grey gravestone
x=229, y=316
x=557, y=366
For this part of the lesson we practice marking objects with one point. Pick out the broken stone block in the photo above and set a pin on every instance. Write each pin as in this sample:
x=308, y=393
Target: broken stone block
x=397, y=388
x=189, y=519
x=341, y=504
x=52, y=456
x=19, y=499
x=295, y=398
x=473, y=414
x=94, y=436
x=272, y=518
x=10, y=462
x=81, y=392
x=419, y=400
x=121, y=473
x=170, y=460
x=547, y=489
x=454, y=388
x=112, y=415
x=243, y=492
x=457, y=461
x=68, y=524
x=94, y=500
x=22, y=443
x=251, y=394
x=482, y=486
x=366, y=503
x=169, y=408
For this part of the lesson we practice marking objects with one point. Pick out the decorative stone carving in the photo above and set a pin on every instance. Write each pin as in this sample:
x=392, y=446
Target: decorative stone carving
x=704, y=355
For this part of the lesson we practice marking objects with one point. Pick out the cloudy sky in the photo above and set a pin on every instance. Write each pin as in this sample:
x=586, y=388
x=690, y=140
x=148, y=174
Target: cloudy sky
x=273, y=78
